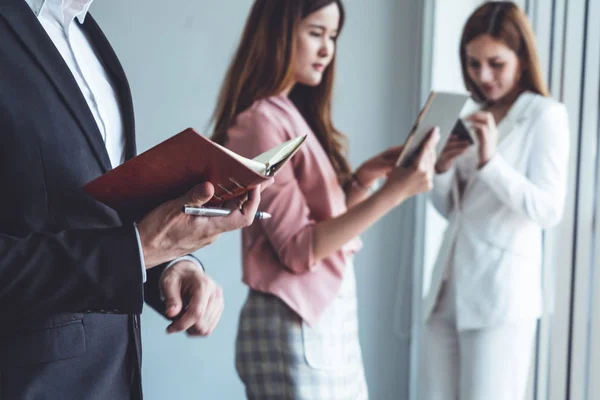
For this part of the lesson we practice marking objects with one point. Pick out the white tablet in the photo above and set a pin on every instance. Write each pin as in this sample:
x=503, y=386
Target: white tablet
x=442, y=109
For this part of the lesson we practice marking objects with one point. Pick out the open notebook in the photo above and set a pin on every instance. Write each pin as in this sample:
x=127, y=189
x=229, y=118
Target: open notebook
x=171, y=168
x=269, y=162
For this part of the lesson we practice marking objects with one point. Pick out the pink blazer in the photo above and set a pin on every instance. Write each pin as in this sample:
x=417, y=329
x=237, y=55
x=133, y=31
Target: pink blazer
x=278, y=253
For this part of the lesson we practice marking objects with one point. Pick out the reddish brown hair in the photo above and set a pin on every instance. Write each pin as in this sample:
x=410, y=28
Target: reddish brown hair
x=263, y=67
x=506, y=22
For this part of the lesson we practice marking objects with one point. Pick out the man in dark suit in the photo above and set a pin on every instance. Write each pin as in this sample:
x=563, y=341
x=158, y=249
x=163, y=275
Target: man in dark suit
x=72, y=270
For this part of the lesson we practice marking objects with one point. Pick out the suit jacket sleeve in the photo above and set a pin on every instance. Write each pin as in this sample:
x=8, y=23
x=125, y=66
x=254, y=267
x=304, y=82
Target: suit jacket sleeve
x=541, y=194
x=82, y=270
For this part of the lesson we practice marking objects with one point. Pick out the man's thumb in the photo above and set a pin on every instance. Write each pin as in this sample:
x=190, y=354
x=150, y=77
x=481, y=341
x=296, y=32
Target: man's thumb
x=200, y=194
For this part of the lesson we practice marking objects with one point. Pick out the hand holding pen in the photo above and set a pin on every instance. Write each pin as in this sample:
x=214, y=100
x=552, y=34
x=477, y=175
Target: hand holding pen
x=167, y=233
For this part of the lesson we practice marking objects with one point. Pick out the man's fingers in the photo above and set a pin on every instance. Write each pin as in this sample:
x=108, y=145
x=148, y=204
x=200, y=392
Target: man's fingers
x=214, y=321
x=194, y=331
x=171, y=290
x=236, y=203
x=218, y=305
x=250, y=207
x=207, y=324
x=195, y=311
x=239, y=217
x=241, y=200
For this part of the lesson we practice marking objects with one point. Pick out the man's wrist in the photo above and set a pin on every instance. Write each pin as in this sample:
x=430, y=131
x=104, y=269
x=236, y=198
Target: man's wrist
x=153, y=256
x=188, y=258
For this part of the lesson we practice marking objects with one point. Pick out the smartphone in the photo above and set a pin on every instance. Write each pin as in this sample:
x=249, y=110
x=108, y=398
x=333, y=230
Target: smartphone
x=461, y=131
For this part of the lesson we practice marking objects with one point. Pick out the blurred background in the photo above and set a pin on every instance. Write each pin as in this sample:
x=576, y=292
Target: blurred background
x=390, y=55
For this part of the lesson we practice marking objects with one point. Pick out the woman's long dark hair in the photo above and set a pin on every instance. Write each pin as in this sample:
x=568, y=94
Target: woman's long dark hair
x=263, y=67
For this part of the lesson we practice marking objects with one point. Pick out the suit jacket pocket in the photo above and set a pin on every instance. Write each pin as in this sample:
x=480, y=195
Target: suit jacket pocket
x=45, y=345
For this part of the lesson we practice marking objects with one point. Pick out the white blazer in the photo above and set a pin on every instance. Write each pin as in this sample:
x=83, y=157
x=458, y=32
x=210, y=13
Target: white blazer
x=493, y=241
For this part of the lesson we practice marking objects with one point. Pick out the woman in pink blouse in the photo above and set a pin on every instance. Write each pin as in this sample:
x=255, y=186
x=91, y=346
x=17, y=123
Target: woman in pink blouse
x=298, y=330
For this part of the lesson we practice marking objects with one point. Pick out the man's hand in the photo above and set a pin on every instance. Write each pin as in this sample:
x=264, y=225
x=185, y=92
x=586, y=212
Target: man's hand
x=185, y=284
x=166, y=233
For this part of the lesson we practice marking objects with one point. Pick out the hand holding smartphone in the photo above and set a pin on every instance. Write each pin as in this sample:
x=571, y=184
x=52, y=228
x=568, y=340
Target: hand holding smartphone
x=461, y=131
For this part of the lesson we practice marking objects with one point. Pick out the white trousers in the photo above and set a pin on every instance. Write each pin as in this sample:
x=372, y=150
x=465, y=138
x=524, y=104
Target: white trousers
x=483, y=364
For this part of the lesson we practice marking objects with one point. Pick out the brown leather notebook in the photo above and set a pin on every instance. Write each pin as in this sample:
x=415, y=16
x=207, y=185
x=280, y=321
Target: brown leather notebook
x=171, y=168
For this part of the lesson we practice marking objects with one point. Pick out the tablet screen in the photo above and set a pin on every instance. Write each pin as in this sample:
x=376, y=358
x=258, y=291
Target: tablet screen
x=442, y=109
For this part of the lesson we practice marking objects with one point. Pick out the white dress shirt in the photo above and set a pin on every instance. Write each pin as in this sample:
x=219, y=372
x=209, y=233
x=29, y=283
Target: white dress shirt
x=58, y=19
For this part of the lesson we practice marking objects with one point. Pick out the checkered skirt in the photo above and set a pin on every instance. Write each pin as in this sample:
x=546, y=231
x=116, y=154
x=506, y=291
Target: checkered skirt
x=279, y=357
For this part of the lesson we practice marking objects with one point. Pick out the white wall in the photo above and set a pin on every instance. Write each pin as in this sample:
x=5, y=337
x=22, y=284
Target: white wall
x=175, y=54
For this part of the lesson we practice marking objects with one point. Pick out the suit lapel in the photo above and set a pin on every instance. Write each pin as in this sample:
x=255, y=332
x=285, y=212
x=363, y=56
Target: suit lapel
x=516, y=116
x=33, y=36
x=111, y=63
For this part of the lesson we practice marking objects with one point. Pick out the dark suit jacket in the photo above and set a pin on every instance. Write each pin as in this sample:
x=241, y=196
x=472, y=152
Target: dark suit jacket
x=70, y=272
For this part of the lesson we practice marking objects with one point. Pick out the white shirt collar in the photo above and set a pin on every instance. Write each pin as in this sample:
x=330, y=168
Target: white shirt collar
x=78, y=8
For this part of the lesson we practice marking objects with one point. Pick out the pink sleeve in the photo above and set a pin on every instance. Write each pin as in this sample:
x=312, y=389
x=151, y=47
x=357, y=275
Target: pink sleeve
x=290, y=230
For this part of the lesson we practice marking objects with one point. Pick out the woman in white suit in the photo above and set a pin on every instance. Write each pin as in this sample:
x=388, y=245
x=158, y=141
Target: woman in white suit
x=485, y=293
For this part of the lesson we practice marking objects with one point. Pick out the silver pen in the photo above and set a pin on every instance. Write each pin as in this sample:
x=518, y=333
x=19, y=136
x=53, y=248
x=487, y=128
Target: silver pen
x=218, y=212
